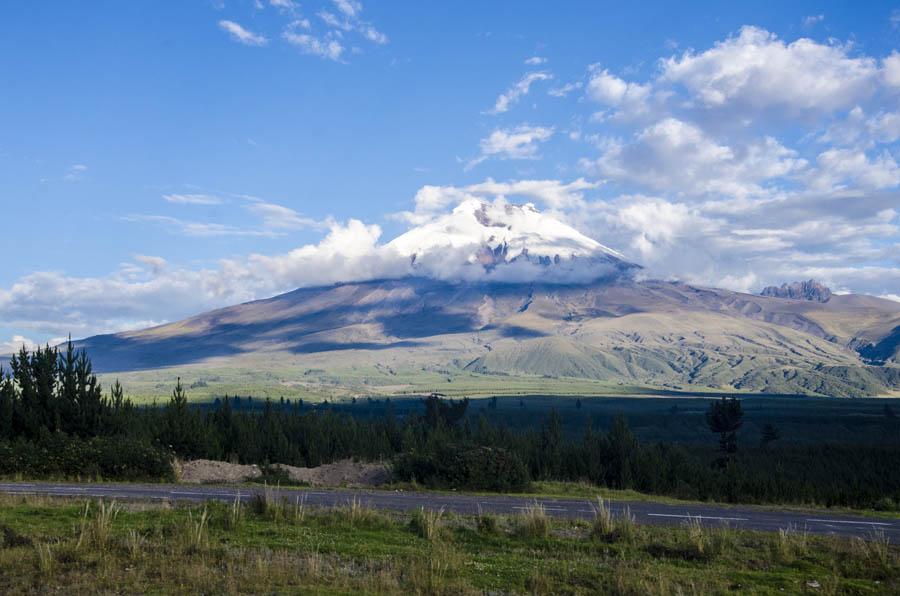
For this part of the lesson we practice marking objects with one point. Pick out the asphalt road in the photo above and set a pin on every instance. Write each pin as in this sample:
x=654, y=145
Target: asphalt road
x=750, y=518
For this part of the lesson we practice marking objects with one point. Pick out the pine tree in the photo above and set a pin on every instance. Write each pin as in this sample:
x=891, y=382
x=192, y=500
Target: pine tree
x=7, y=404
x=724, y=418
x=769, y=434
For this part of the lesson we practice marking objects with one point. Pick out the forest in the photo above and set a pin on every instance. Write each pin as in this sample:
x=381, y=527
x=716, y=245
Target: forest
x=56, y=421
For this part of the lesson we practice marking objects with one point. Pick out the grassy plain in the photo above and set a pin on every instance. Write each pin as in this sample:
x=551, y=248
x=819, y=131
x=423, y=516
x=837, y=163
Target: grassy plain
x=272, y=547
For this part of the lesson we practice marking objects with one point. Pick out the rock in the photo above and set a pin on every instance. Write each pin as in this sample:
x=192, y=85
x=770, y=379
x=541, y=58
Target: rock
x=799, y=290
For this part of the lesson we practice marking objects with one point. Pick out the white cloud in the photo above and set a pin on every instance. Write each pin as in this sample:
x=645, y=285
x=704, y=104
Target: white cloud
x=565, y=89
x=279, y=217
x=678, y=157
x=241, y=35
x=309, y=44
x=285, y=4
x=348, y=20
x=192, y=199
x=552, y=193
x=432, y=201
x=839, y=167
x=655, y=224
x=890, y=68
x=199, y=229
x=610, y=90
x=536, y=61
x=15, y=343
x=57, y=304
x=517, y=91
x=156, y=264
x=520, y=142
x=812, y=20
x=75, y=172
x=349, y=8
x=756, y=71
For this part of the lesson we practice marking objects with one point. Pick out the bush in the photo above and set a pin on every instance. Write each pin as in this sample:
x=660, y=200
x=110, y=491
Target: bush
x=478, y=468
x=112, y=458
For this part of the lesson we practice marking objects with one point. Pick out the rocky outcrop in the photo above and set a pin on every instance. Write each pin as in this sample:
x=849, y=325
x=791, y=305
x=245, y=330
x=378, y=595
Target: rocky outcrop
x=800, y=290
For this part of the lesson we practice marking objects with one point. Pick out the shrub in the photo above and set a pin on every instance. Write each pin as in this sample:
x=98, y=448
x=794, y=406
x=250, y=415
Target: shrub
x=59, y=455
x=477, y=468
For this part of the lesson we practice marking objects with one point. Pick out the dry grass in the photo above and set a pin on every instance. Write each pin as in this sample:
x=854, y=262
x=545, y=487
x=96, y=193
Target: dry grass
x=96, y=527
x=606, y=526
x=428, y=523
x=791, y=543
x=227, y=548
x=533, y=522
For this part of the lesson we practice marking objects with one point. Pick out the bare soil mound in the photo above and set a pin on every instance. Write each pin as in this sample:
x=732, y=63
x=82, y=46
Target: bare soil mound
x=202, y=471
x=341, y=473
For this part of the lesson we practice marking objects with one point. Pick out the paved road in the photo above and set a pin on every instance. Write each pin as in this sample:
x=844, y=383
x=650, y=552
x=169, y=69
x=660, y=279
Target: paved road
x=750, y=518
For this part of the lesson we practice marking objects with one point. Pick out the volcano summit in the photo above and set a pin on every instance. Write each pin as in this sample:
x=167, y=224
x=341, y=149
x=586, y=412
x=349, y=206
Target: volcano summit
x=498, y=297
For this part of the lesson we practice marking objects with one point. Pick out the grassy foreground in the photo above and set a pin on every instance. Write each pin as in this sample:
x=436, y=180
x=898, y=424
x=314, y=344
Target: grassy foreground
x=275, y=547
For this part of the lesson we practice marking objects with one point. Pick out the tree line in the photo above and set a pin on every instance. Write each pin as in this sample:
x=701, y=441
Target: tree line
x=56, y=420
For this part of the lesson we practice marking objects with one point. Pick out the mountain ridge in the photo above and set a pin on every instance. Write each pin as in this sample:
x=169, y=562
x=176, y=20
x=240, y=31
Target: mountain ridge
x=654, y=333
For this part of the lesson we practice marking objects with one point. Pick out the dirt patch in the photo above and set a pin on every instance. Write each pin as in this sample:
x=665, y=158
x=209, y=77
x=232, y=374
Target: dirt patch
x=341, y=473
x=202, y=471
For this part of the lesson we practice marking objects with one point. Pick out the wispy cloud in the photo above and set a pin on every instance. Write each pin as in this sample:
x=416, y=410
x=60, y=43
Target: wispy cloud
x=520, y=142
x=75, y=172
x=279, y=217
x=331, y=48
x=565, y=90
x=199, y=229
x=536, y=61
x=192, y=199
x=812, y=20
x=241, y=35
x=517, y=91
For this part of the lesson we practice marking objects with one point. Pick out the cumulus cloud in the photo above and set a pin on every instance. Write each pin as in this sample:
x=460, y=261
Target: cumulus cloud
x=677, y=156
x=891, y=69
x=156, y=264
x=840, y=167
x=520, y=142
x=241, y=35
x=520, y=89
x=716, y=183
x=608, y=89
x=143, y=293
x=756, y=70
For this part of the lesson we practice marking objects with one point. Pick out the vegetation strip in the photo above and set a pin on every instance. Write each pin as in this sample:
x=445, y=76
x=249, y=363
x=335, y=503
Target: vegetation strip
x=270, y=544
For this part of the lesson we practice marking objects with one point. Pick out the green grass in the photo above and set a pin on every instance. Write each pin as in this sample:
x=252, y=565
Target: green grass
x=280, y=378
x=275, y=547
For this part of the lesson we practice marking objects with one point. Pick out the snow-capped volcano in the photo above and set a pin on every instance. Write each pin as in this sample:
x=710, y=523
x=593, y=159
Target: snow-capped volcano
x=508, y=241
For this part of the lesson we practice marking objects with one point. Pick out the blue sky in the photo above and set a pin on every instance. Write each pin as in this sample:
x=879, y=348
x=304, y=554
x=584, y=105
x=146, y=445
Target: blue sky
x=161, y=158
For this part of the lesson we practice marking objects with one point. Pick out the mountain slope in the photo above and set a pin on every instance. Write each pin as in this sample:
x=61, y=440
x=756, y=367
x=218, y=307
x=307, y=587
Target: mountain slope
x=657, y=334
x=500, y=290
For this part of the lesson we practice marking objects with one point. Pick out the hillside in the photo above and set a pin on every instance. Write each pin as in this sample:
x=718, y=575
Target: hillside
x=416, y=333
